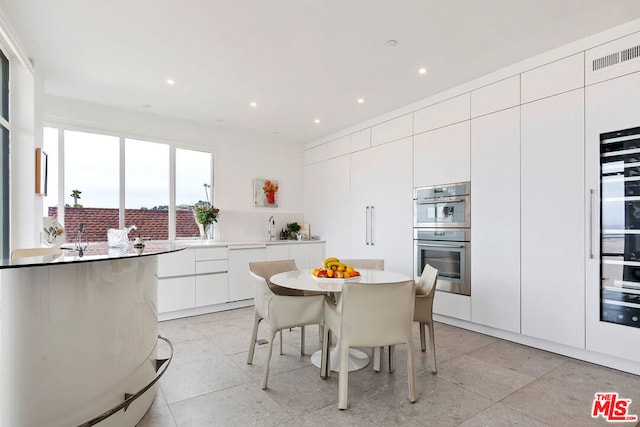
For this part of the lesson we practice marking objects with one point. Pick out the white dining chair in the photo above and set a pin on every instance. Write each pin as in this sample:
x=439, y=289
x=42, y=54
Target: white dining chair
x=280, y=311
x=369, y=315
x=423, y=311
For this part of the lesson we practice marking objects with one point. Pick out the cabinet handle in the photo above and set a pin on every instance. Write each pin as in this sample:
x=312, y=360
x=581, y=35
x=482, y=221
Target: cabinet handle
x=591, y=191
x=371, y=224
x=366, y=225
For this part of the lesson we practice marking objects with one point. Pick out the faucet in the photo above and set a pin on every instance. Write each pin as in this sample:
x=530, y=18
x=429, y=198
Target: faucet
x=272, y=226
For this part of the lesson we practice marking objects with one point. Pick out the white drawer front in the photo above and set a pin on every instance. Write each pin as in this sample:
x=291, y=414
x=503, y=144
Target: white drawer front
x=215, y=266
x=205, y=254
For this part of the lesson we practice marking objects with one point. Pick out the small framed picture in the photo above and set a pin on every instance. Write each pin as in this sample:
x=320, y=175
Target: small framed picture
x=41, y=172
x=265, y=193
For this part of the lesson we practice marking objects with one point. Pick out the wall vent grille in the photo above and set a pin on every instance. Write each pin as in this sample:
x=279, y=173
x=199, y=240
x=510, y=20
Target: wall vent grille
x=631, y=53
x=606, y=61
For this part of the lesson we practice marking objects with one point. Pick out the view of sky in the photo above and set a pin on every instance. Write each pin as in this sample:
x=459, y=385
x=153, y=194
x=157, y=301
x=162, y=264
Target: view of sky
x=92, y=167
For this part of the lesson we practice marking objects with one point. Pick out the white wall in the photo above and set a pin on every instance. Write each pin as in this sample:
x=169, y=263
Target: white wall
x=239, y=159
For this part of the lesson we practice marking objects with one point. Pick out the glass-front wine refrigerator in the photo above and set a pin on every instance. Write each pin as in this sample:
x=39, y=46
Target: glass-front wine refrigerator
x=620, y=227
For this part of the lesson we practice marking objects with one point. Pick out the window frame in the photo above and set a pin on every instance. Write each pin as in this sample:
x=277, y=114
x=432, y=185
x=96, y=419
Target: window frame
x=171, y=231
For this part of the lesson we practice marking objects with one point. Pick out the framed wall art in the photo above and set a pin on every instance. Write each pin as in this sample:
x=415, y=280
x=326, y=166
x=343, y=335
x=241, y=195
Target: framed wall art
x=41, y=172
x=265, y=193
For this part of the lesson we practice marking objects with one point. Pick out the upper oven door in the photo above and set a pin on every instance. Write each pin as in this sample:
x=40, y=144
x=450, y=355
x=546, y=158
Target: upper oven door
x=442, y=212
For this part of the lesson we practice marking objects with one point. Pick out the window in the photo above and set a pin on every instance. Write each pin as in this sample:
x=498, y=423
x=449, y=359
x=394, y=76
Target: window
x=147, y=188
x=111, y=182
x=193, y=185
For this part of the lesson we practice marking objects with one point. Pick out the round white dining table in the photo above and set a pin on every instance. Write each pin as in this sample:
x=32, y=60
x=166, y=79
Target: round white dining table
x=303, y=280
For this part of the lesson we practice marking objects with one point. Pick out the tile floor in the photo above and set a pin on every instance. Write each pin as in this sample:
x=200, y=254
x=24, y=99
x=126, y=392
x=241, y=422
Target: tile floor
x=481, y=381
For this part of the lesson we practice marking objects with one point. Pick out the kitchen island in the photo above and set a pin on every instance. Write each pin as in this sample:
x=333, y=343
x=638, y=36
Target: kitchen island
x=79, y=336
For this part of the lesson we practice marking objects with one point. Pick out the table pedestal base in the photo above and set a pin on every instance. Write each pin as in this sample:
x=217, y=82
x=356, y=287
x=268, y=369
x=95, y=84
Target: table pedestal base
x=357, y=359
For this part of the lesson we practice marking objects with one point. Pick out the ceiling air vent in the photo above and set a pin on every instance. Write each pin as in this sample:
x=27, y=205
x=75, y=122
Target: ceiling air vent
x=606, y=61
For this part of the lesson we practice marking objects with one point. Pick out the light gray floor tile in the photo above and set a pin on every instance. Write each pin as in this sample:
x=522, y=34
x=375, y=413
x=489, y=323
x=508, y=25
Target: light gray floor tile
x=498, y=415
x=525, y=360
x=440, y=402
x=243, y=405
x=487, y=379
x=481, y=381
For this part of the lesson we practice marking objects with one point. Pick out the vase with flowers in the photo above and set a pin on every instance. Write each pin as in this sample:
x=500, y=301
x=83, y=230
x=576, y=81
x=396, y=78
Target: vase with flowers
x=206, y=214
x=270, y=188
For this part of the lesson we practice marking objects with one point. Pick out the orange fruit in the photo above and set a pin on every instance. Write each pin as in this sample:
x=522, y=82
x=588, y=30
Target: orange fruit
x=315, y=271
x=346, y=274
x=329, y=272
x=349, y=269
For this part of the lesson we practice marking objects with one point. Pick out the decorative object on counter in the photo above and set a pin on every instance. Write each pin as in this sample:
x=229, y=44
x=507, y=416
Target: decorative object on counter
x=292, y=230
x=206, y=215
x=118, y=238
x=53, y=233
x=305, y=232
x=138, y=244
x=265, y=193
x=81, y=241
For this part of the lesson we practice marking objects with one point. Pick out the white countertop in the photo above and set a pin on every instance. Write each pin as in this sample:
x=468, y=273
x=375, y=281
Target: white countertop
x=215, y=243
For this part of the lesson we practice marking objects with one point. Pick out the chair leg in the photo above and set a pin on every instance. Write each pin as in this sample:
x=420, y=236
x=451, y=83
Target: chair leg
x=281, y=353
x=254, y=337
x=423, y=345
x=432, y=348
x=411, y=367
x=377, y=356
x=265, y=374
x=302, y=340
x=392, y=358
x=324, y=360
x=343, y=380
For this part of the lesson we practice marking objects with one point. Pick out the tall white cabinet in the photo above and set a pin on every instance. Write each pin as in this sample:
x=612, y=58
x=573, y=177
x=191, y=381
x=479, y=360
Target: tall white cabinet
x=553, y=218
x=381, y=205
x=495, y=219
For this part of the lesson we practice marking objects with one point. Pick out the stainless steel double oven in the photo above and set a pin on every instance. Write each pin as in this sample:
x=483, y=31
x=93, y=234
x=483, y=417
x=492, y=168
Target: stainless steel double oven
x=442, y=234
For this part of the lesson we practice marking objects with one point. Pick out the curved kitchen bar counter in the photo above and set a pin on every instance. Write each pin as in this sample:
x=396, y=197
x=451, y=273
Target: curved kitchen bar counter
x=77, y=334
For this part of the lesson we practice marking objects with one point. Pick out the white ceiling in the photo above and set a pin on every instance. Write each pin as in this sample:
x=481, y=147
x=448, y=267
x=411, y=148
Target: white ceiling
x=298, y=59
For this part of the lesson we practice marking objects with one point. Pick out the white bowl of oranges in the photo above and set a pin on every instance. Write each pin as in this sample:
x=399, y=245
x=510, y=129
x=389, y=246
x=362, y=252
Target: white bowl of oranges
x=333, y=268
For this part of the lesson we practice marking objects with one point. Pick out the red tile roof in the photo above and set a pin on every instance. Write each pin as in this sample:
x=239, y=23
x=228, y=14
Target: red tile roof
x=152, y=224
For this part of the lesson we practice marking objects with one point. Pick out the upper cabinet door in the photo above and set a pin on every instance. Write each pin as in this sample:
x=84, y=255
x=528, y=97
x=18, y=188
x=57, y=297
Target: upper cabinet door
x=391, y=130
x=556, y=77
x=443, y=113
x=442, y=156
x=496, y=96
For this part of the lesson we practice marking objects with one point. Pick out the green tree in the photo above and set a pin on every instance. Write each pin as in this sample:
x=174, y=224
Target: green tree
x=75, y=194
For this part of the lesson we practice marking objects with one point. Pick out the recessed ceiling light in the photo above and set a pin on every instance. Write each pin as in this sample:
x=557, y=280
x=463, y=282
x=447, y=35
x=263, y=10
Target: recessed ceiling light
x=316, y=121
x=253, y=104
x=391, y=43
x=171, y=82
x=422, y=70
x=360, y=100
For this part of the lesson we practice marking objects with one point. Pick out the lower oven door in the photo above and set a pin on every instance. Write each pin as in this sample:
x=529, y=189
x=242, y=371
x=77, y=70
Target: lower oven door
x=452, y=261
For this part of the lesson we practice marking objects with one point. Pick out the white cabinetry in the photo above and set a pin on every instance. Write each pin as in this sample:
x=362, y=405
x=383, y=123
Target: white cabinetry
x=240, y=285
x=397, y=128
x=442, y=156
x=496, y=96
x=212, y=284
x=443, y=113
x=176, y=281
x=277, y=252
x=495, y=220
x=553, y=200
x=610, y=106
x=382, y=205
x=360, y=140
x=550, y=79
